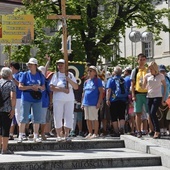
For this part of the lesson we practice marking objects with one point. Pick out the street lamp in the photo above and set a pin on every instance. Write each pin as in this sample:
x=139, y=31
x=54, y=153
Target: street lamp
x=136, y=36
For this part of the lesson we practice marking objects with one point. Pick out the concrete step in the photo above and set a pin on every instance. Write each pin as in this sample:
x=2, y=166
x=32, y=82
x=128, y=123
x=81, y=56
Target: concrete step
x=137, y=168
x=78, y=159
x=76, y=144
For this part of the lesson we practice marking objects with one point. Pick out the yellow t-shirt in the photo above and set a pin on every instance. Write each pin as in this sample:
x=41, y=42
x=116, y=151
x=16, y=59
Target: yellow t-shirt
x=139, y=80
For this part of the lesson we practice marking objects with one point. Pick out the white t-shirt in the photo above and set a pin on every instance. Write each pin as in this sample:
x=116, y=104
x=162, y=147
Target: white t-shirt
x=154, y=85
x=59, y=79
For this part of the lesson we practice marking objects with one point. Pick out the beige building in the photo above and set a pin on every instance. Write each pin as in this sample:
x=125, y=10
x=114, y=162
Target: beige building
x=159, y=53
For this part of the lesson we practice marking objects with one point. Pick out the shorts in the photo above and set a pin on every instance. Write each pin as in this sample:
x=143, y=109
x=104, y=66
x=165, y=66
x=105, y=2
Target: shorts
x=79, y=116
x=91, y=113
x=117, y=110
x=35, y=109
x=43, y=115
x=140, y=101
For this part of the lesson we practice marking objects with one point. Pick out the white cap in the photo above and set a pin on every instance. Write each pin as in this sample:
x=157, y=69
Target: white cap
x=42, y=69
x=61, y=61
x=32, y=61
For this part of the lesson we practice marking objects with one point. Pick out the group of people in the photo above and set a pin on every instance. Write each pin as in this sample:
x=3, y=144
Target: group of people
x=140, y=93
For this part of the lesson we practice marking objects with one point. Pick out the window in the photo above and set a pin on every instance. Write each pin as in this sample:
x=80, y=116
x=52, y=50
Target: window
x=147, y=49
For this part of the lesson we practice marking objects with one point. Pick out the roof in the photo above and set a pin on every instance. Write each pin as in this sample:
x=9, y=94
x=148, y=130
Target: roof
x=12, y=1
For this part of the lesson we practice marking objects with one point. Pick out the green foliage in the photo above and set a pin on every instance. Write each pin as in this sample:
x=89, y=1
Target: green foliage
x=102, y=22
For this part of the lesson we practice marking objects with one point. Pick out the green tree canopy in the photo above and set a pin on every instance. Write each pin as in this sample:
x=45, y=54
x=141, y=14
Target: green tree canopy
x=102, y=23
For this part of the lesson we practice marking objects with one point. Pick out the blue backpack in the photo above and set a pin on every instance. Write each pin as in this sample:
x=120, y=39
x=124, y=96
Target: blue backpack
x=121, y=90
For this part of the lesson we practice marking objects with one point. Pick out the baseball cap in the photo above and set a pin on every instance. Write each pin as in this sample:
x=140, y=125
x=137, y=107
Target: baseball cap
x=162, y=68
x=32, y=61
x=93, y=68
x=60, y=61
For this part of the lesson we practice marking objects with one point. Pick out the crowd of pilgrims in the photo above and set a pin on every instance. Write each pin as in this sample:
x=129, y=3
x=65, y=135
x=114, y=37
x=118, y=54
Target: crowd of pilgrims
x=39, y=103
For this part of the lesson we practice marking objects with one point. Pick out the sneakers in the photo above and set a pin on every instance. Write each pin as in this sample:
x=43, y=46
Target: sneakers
x=67, y=139
x=81, y=134
x=151, y=133
x=115, y=135
x=72, y=134
x=7, y=152
x=37, y=140
x=139, y=134
x=88, y=136
x=24, y=137
x=20, y=139
x=31, y=136
x=60, y=139
x=94, y=136
x=11, y=137
x=121, y=131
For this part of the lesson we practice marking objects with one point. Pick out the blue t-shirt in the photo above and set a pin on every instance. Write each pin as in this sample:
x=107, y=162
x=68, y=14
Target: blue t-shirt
x=128, y=82
x=167, y=88
x=17, y=76
x=45, y=95
x=91, y=91
x=112, y=85
x=28, y=79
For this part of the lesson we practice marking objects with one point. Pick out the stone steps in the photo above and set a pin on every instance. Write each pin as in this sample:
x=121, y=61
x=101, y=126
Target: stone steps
x=51, y=144
x=100, y=153
x=77, y=159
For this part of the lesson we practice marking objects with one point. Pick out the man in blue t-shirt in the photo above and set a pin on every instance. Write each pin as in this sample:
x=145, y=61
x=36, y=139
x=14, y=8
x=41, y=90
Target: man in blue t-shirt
x=116, y=103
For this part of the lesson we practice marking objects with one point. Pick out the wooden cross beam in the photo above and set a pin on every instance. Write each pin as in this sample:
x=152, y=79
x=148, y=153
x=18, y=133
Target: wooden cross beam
x=64, y=17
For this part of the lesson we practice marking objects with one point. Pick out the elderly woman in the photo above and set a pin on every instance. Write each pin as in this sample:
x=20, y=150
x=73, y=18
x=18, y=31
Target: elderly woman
x=32, y=83
x=116, y=98
x=92, y=99
x=63, y=100
x=153, y=81
x=7, y=111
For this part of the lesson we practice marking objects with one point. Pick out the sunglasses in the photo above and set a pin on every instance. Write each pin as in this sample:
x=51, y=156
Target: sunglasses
x=90, y=70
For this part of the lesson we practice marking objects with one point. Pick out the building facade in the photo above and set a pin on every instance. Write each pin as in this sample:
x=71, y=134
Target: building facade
x=159, y=53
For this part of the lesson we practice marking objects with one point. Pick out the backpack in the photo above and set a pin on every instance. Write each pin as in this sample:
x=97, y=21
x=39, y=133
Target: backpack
x=2, y=101
x=121, y=90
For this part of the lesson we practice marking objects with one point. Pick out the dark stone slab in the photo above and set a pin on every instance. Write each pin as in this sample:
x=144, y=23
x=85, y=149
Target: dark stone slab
x=83, y=164
x=74, y=145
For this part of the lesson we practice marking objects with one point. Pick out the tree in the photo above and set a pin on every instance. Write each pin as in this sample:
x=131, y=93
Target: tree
x=102, y=23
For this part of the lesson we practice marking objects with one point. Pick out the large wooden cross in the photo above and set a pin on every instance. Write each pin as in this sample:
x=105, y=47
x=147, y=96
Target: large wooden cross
x=64, y=17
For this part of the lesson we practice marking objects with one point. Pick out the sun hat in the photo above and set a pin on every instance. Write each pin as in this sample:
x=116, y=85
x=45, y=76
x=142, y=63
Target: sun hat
x=60, y=61
x=93, y=68
x=48, y=74
x=32, y=61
